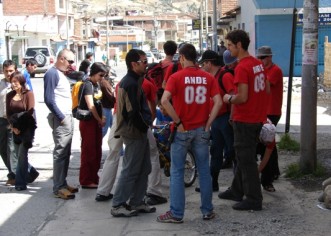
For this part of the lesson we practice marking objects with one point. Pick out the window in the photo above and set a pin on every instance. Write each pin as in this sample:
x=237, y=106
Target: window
x=61, y=4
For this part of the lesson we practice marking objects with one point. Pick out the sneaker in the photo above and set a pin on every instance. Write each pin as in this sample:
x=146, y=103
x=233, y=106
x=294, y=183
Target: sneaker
x=103, y=198
x=215, y=189
x=32, y=175
x=152, y=199
x=168, y=218
x=10, y=182
x=123, y=211
x=247, y=206
x=144, y=208
x=209, y=216
x=65, y=194
x=228, y=195
x=72, y=189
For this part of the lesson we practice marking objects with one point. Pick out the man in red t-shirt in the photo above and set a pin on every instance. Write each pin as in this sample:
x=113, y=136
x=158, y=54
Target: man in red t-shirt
x=274, y=112
x=221, y=130
x=249, y=113
x=190, y=90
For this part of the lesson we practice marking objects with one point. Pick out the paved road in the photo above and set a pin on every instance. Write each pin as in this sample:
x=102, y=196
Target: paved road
x=37, y=212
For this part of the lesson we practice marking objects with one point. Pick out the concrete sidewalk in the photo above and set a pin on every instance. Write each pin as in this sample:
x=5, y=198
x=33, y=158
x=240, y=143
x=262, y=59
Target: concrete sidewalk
x=288, y=211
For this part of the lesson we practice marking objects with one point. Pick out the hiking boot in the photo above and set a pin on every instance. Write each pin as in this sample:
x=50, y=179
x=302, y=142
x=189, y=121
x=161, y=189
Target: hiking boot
x=168, y=218
x=228, y=195
x=64, y=194
x=32, y=175
x=144, y=208
x=152, y=199
x=246, y=205
x=10, y=182
x=209, y=216
x=123, y=211
x=72, y=189
x=103, y=198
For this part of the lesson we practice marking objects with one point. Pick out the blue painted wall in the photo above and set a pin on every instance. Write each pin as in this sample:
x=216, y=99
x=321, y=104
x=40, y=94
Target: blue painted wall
x=275, y=31
x=267, y=4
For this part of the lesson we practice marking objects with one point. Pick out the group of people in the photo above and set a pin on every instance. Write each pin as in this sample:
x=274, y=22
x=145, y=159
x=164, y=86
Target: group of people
x=204, y=100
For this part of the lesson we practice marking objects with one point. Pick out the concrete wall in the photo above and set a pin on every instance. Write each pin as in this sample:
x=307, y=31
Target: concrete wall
x=327, y=62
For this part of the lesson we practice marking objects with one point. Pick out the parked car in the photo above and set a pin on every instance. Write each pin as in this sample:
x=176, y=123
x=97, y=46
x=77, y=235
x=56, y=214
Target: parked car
x=155, y=52
x=44, y=55
x=150, y=57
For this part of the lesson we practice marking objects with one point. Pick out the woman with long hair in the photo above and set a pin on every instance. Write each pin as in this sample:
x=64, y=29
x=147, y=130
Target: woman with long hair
x=20, y=114
x=91, y=130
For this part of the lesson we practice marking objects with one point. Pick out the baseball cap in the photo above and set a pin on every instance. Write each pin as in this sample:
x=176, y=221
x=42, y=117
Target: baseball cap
x=264, y=51
x=208, y=55
x=268, y=132
x=227, y=58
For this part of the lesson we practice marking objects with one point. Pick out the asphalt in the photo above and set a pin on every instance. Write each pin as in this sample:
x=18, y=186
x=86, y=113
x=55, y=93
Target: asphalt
x=37, y=212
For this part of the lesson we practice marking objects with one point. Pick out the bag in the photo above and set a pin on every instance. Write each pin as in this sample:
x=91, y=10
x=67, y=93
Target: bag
x=83, y=114
x=78, y=113
x=155, y=73
x=224, y=70
x=268, y=132
x=74, y=97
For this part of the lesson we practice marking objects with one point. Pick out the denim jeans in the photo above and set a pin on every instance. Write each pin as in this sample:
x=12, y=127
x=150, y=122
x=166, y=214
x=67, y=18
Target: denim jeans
x=7, y=148
x=246, y=181
x=22, y=165
x=197, y=140
x=109, y=120
x=62, y=136
x=222, y=142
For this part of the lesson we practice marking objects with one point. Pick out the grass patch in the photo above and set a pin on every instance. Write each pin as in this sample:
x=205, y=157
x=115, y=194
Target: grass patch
x=289, y=144
x=293, y=171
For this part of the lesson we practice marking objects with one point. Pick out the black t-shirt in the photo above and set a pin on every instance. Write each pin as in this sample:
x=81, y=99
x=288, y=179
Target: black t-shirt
x=88, y=88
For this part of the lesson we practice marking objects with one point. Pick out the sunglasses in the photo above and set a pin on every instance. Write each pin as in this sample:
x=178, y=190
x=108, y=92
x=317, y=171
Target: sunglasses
x=262, y=57
x=69, y=61
x=144, y=61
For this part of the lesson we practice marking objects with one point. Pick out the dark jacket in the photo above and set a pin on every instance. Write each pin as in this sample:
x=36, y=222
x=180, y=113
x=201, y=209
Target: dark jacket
x=133, y=115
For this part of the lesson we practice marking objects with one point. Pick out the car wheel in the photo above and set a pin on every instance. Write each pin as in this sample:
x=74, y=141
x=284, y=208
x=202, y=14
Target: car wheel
x=41, y=59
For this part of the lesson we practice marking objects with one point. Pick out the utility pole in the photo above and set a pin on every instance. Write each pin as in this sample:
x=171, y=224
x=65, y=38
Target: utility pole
x=214, y=25
x=309, y=86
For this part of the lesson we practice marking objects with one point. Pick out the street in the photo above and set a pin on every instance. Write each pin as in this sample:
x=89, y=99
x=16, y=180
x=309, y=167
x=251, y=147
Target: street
x=288, y=211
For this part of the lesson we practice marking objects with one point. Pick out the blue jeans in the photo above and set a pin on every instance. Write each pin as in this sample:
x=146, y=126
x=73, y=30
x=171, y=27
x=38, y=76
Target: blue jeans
x=197, y=140
x=22, y=165
x=222, y=142
x=109, y=120
x=62, y=136
x=7, y=148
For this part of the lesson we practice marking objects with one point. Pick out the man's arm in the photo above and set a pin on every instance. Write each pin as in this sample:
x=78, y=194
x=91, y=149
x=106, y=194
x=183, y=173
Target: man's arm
x=50, y=82
x=240, y=97
x=217, y=100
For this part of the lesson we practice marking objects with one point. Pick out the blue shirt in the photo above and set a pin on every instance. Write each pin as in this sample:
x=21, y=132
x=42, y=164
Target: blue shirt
x=26, y=75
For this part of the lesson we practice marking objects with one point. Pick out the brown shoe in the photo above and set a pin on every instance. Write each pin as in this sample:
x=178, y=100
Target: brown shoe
x=10, y=182
x=65, y=194
x=72, y=189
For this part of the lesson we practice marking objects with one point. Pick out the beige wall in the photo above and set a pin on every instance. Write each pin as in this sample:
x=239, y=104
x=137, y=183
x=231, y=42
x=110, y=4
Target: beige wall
x=327, y=63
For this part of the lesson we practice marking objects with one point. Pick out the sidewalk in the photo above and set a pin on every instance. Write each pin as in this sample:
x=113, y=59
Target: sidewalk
x=288, y=211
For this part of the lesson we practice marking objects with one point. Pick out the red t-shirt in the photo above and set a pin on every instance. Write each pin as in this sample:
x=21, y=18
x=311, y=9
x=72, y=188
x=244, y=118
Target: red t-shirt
x=150, y=90
x=275, y=77
x=250, y=71
x=168, y=72
x=191, y=89
x=228, y=85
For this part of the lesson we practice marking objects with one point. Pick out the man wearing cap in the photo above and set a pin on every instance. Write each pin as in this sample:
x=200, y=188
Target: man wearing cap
x=249, y=113
x=274, y=111
x=221, y=131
